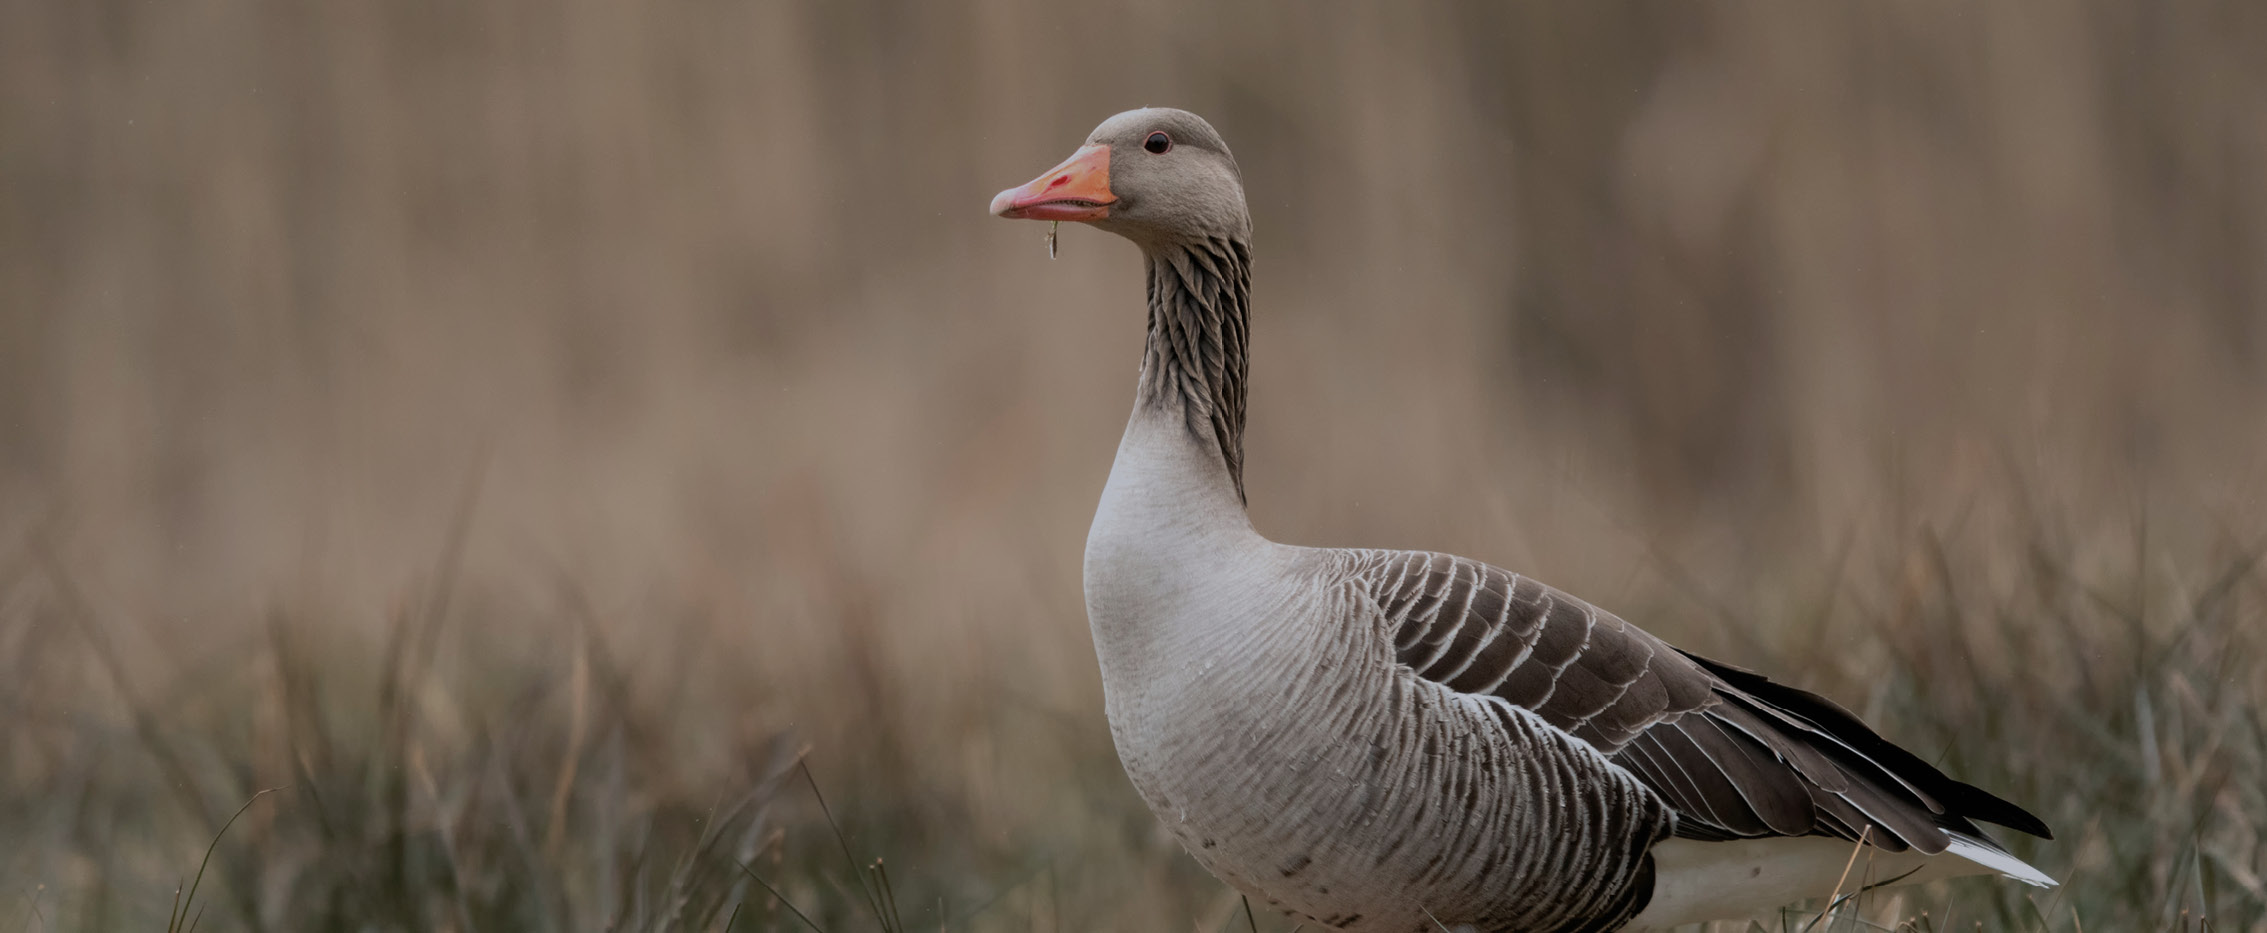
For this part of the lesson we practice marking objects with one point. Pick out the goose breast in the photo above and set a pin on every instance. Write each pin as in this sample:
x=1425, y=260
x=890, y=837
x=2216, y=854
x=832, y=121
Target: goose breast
x=1294, y=757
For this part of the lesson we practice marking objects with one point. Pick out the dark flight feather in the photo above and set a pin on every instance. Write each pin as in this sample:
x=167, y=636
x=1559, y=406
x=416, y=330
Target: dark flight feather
x=1732, y=753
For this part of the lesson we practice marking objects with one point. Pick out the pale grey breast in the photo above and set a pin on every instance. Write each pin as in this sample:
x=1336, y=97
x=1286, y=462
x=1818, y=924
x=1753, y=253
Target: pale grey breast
x=1298, y=758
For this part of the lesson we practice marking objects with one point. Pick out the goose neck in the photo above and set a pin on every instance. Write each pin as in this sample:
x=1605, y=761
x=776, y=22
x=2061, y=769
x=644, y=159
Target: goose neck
x=1194, y=366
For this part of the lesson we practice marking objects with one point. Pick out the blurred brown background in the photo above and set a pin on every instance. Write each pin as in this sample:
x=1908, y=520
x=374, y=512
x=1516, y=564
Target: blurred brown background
x=281, y=274
x=699, y=300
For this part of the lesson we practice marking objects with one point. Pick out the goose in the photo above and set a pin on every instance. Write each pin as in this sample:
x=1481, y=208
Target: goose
x=1373, y=740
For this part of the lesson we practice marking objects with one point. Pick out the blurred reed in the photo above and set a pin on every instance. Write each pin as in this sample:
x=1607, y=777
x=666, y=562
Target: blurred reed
x=527, y=426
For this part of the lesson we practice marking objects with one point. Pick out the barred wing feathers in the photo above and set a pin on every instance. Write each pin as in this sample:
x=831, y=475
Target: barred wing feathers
x=1734, y=754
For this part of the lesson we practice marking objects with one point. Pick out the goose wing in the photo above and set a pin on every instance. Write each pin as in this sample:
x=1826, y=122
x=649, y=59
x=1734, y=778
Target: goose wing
x=1736, y=755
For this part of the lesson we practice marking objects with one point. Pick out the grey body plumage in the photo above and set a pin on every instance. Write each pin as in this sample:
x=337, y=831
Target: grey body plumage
x=1379, y=740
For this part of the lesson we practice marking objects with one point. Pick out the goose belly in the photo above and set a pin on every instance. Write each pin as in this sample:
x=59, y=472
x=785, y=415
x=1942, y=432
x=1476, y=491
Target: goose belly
x=1321, y=778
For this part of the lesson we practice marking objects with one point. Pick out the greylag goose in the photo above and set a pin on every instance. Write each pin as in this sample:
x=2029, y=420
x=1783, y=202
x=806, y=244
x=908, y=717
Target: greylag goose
x=1405, y=741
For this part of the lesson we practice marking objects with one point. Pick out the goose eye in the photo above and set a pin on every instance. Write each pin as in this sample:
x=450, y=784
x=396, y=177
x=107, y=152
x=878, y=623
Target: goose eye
x=1157, y=143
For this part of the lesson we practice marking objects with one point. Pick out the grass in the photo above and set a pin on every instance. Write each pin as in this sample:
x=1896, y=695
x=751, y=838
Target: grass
x=506, y=766
x=1722, y=315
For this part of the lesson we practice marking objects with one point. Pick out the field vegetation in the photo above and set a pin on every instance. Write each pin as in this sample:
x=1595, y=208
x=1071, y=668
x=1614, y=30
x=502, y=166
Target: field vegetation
x=500, y=466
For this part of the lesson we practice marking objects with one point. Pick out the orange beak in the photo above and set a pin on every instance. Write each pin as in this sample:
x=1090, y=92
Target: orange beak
x=1078, y=189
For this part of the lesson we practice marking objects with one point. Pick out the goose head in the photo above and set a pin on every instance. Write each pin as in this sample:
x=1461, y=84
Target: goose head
x=1155, y=176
